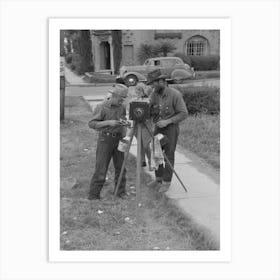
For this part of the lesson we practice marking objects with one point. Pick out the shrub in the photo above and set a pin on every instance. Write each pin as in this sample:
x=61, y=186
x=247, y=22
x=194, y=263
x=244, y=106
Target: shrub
x=68, y=58
x=76, y=63
x=198, y=100
x=204, y=63
x=201, y=63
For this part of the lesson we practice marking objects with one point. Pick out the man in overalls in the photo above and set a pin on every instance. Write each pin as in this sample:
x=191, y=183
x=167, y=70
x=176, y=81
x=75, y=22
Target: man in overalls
x=108, y=120
x=171, y=110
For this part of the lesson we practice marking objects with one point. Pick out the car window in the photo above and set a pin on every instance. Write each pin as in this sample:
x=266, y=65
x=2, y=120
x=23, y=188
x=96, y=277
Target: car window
x=157, y=62
x=147, y=62
x=178, y=62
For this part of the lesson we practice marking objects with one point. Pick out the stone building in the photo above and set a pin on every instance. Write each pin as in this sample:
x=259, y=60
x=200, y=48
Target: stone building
x=190, y=42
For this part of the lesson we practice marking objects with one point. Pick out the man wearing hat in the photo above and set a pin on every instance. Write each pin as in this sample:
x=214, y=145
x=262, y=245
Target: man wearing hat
x=171, y=110
x=108, y=119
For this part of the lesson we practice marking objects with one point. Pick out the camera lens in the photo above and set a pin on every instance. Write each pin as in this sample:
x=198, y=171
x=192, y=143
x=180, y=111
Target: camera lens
x=138, y=112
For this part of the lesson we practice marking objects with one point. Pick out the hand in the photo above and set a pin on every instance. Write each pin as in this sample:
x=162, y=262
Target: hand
x=163, y=123
x=113, y=123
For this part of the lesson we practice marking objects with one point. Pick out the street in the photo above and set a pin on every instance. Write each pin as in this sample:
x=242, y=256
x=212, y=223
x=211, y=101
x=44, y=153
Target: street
x=86, y=91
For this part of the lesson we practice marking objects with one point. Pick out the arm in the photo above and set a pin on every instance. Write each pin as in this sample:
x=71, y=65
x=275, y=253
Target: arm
x=181, y=111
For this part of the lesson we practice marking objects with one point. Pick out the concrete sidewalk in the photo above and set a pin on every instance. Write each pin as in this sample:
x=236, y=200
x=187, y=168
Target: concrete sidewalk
x=202, y=201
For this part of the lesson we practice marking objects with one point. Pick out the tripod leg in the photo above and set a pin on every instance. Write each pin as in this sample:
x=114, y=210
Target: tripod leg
x=168, y=162
x=123, y=165
x=173, y=170
x=138, y=166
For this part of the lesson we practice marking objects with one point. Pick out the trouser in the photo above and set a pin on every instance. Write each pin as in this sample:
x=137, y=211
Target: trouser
x=171, y=132
x=107, y=148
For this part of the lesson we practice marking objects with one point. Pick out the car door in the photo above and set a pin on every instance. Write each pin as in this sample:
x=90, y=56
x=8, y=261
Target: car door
x=167, y=66
x=154, y=65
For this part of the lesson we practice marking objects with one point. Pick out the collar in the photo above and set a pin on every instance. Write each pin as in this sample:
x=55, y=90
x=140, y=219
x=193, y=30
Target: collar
x=108, y=103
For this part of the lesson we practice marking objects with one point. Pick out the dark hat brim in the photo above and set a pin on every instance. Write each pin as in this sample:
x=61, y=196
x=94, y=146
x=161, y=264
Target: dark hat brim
x=156, y=79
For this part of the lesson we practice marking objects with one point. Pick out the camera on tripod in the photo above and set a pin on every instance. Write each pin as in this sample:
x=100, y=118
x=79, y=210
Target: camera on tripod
x=140, y=111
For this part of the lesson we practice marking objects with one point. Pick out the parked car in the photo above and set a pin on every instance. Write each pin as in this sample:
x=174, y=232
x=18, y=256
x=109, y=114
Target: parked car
x=173, y=67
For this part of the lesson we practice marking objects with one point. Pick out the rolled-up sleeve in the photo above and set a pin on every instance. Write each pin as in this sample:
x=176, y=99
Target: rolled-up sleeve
x=97, y=116
x=180, y=108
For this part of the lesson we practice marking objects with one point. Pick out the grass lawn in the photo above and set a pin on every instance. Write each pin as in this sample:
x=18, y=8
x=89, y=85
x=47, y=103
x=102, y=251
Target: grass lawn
x=112, y=224
x=201, y=135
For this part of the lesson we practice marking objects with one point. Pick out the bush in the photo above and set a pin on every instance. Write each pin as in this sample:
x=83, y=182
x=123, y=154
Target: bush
x=198, y=100
x=68, y=58
x=201, y=63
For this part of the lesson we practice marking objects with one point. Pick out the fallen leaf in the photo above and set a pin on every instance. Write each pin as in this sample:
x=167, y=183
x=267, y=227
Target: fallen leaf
x=156, y=248
x=65, y=232
x=100, y=211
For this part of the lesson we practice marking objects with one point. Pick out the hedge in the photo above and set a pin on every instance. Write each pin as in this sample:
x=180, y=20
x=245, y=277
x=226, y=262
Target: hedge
x=201, y=63
x=202, y=99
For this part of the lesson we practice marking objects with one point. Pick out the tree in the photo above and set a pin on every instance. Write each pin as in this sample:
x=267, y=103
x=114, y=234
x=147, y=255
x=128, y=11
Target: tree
x=85, y=51
x=162, y=48
x=145, y=51
x=80, y=56
x=117, y=48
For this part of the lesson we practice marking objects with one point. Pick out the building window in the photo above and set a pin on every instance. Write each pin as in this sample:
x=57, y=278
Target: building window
x=197, y=45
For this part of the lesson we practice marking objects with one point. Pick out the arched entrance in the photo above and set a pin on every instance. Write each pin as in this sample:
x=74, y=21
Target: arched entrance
x=105, y=58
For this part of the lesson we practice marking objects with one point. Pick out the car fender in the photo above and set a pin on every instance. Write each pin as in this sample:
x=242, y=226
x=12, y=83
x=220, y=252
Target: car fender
x=181, y=74
x=139, y=76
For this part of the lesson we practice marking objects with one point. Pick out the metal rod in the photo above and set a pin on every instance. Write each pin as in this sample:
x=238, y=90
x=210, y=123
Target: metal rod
x=167, y=160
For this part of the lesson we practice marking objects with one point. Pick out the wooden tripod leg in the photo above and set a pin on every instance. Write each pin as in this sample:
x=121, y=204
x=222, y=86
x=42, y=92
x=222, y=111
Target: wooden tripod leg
x=124, y=163
x=138, y=166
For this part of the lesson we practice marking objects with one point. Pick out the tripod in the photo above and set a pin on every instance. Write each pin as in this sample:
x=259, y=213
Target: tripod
x=138, y=126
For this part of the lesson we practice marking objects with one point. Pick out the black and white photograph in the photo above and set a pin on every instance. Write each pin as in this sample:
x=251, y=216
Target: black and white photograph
x=140, y=139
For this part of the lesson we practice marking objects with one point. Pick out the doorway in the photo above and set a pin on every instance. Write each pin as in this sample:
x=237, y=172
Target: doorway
x=105, y=57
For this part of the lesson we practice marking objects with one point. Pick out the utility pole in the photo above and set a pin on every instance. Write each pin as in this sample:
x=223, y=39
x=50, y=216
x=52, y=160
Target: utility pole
x=62, y=76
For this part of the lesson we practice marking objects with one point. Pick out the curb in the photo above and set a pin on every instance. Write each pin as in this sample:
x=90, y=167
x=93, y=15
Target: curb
x=111, y=84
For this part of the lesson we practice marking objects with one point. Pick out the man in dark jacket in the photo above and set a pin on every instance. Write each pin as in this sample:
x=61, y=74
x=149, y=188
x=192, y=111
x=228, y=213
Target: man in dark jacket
x=171, y=110
x=108, y=120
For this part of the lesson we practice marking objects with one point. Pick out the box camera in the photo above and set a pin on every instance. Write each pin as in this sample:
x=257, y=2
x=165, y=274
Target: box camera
x=139, y=111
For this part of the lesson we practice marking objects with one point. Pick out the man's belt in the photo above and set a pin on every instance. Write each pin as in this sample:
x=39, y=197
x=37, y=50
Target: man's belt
x=112, y=134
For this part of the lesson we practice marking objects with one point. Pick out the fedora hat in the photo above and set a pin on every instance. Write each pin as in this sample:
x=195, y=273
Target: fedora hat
x=155, y=76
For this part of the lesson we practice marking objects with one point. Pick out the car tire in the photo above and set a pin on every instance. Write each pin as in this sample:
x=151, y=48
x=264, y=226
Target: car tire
x=130, y=80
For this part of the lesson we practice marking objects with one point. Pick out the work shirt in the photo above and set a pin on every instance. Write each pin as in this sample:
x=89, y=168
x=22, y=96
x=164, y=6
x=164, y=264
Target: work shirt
x=170, y=104
x=106, y=111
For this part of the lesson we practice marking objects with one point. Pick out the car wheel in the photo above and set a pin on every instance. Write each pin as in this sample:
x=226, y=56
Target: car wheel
x=131, y=80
